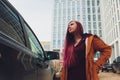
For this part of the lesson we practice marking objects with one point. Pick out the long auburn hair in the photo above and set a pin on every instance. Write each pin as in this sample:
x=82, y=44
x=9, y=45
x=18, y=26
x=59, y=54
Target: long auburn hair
x=68, y=44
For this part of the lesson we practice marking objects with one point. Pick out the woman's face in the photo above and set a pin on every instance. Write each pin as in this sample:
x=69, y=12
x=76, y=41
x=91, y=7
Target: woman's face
x=72, y=26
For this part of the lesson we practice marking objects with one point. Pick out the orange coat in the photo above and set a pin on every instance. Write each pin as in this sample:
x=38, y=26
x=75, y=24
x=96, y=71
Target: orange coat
x=93, y=44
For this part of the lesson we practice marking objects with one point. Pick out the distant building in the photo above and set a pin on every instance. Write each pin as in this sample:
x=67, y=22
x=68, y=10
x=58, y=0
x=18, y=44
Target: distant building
x=46, y=45
x=88, y=12
x=111, y=25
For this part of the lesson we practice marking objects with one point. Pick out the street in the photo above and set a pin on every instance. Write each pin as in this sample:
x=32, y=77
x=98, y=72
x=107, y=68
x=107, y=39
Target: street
x=109, y=76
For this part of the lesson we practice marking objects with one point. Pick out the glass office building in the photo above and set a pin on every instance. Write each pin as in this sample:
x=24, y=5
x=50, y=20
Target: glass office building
x=88, y=12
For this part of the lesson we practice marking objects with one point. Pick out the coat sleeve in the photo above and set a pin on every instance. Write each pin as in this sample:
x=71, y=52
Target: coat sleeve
x=105, y=51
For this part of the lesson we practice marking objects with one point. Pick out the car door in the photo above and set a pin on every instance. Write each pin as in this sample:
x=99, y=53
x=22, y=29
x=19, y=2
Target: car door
x=43, y=71
x=21, y=55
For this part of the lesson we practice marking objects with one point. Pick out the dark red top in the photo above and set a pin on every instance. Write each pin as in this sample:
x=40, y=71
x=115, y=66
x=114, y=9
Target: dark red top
x=77, y=70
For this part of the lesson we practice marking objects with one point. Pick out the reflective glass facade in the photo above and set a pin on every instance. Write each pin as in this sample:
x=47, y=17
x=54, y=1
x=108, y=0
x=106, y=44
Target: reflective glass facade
x=86, y=11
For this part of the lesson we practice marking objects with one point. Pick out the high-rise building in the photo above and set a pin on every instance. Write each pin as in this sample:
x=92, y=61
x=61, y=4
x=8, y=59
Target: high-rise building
x=88, y=12
x=111, y=25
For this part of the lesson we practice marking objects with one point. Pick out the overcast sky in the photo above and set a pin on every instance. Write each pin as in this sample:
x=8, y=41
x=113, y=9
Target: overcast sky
x=38, y=14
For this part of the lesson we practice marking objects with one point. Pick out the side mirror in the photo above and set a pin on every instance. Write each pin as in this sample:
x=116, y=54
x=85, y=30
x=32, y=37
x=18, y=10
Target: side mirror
x=114, y=61
x=52, y=55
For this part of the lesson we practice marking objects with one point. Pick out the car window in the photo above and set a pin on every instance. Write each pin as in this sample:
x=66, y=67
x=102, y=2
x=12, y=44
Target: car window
x=10, y=24
x=118, y=59
x=34, y=44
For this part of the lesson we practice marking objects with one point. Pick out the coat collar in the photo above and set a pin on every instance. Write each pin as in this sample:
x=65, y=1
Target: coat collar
x=88, y=43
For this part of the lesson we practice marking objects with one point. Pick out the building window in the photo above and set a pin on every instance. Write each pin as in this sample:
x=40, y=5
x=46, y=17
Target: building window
x=94, y=17
x=73, y=7
x=89, y=25
x=54, y=35
x=54, y=21
x=99, y=25
x=119, y=27
x=116, y=31
x=94, y=25
x=78, y=7
x=83, y=10
x=64, y=11
x=63, y=1
x=99, y=17
x=73, y=10
x=83, y=2
x=73, y=4
x=89, y=31
x=100, y=33
x=93, y=10
x=54, y=29
x=89, y=17
x=56, y=1
x=73, y=17
x=78, y=10
x=93, y=2
x=59, y=35
x=98, y=9
x=88, y=3
x=84, y=18
x=69, y=18
x=89, y=10
x=59, y=43
x=118, y=14
x=113, y=20
x=54, y=43
x=55, y=11
x=78, y=17
x=98, y=2
x=117, y=3
x=69, y=11
x=95, y=31
x=84, y=24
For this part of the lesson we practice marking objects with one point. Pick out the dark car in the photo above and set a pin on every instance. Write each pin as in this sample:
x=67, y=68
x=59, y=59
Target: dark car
x=116, y=65
x=55, y=64
x=107, y=67
x=21, y=54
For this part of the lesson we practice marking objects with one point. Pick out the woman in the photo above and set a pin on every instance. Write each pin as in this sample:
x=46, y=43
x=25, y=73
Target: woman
x=79, y=51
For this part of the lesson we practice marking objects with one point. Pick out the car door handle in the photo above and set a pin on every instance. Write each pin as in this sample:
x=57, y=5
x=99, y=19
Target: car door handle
x=41, y=64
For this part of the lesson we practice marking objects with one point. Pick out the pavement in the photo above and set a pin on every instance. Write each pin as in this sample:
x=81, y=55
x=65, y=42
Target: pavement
x=109, y=76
